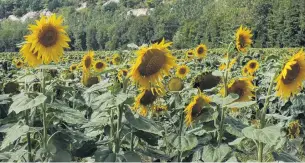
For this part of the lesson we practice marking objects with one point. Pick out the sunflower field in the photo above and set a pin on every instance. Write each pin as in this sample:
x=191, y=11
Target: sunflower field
x=151, y=104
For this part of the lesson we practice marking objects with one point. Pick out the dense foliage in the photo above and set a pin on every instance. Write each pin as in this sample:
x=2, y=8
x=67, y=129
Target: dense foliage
x=275, y=23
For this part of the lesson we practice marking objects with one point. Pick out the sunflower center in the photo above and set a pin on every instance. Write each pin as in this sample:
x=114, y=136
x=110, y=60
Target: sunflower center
x=87, y=62
x=18, y=63
x=242, y=41
x=252, y=65
x=292, y=74
x=182, y=71
x=152, y=62
x=48, y=36
x=239, y=91
x=99, y=65
x=207, y=81
x=148, y=98
x=197, y=108
x=124, y=73
x=200, y=50
x=190, y=54
x=73, y=67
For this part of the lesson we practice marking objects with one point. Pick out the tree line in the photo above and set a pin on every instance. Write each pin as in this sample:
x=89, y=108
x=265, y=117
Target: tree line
x=274, y=23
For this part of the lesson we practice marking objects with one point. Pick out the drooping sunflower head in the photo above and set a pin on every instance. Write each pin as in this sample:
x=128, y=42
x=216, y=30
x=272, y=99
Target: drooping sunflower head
x=195, y=108
x=201, y=51
x=182, y=71
x=245, y=71
x=243, y=87
x=87, y=61
x=252, y=66
x=205, y=81
x=243, y=39
x=294, y=129
x=73, y=67
x=190, y=54
x=116, y=59
x=290, y=79
x=29, y=56
x=175, y=84
x=144, y=100
x=99, y=66
x=48, y=38
x=19, y=63
x=152, y=64
x=122, y=74
x=88, y=80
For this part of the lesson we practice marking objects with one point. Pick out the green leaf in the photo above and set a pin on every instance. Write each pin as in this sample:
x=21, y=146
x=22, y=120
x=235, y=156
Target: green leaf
x=241, y=104
x=216, y=154
x=224, y=101
x=217, y=73
x=188, y=142
x=268, y=135
x=286, y=157
x=13, y=134
x=132, y=157
x=98, y=87
x=234, y=126
x=69, y=115
x=237, y=141
x=120, y=98
x=47, y=67
x=23, y=102
x=103, y=154
x=143, y=124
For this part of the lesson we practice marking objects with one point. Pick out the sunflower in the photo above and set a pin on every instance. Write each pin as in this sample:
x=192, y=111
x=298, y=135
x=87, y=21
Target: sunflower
x=290, y=79
x=182, y=71
x=294, y=129
x=116, y=60
x=88, y=80
x=190, y=54
x=87, y=61
x=243, y=87
x=157, y=109
x=122, y=73
x=201, y=51
x=73, y=67
x=175, y=84
x=144, y=100
x=196, y=108
x=205, y=81
x=48, y=38
x=252, y=66
x=243, y=39
x=29, y=57
x=152, y=64
x=99, y=66
x=19, y=64
x=244, y=71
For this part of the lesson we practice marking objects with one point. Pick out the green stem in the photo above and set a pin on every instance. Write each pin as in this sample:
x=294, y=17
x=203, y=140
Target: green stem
x=118, y=132
x=28, y=135
x=111, y=129
x=263, y=119
x=180, y=135
x=132, y=140
x=44, y=113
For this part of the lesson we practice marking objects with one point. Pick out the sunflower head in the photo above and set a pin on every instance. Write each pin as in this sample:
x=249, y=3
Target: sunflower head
x=91, y=80
x=196, y=107
x=252, y=66
x=122, y=74
x=48, y=38
x=87, y=61
x=245, y=71
x=29, y=56
x=11, y=87
x=116, y=60
x=243, y=39
x=19, y=64
x=99, y=66
x=243, y=87
x=145, y=99
x=182, y=71
x=294, y=129
x=152, y=64
x=190, y=54
x=73, y=67
x=223, y=66
x=290, y=79
x=201, y=51
x=175, y=84
x=205, y=81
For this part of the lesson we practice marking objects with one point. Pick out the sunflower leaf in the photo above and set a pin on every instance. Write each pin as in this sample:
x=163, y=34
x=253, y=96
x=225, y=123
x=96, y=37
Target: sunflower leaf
x=269, y=135
x=241, y=104
x=23, y=102
x=216, y=154
x=188, y=142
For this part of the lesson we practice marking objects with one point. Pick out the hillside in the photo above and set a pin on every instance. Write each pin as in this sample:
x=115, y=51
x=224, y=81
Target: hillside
x=113, y=24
